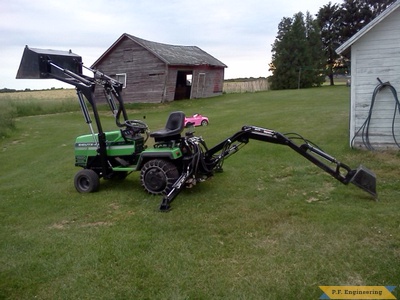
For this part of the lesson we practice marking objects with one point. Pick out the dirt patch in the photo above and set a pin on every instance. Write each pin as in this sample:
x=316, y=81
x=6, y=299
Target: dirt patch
x=320, y=194
x=61, y=225
x=114, y=206
x=96, y=224
x=68, y=224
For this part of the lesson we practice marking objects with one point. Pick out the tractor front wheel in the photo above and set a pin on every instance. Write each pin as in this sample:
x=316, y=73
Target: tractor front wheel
x=87, y=181
x=158, y=176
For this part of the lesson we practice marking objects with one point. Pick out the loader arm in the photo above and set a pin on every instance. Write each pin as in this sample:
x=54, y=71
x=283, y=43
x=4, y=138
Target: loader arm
x=67, y=67
x=212, y=159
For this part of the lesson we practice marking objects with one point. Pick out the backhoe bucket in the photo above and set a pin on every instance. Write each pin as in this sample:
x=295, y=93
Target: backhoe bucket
x=365, y=179
x=35, y=63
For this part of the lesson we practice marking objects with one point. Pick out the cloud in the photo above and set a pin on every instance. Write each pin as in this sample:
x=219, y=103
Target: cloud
x=239, y=33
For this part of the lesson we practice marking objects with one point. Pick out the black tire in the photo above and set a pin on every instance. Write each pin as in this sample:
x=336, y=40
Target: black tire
x=157, y=176
x=204, y=123
x=87, y=181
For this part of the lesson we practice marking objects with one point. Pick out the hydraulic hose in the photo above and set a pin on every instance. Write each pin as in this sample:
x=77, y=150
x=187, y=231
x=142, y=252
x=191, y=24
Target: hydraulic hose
x=364, y=129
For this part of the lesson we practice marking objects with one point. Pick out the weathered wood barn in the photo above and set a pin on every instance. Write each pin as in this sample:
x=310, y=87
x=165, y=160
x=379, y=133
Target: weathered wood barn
x=375, y=53
x=156, y=72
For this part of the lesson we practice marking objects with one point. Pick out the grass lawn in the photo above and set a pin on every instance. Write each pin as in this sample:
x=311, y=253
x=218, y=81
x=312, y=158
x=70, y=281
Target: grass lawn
x=271, y=226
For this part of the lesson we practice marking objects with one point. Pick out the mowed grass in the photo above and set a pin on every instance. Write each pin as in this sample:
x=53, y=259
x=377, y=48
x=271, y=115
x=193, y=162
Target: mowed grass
x=271, y=226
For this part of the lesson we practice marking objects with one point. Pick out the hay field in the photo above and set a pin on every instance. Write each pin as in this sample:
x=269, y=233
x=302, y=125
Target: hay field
x=43, y=95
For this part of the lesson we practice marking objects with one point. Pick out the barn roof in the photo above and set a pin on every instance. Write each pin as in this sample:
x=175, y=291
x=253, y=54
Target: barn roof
x=345, y=47
x=171, y=54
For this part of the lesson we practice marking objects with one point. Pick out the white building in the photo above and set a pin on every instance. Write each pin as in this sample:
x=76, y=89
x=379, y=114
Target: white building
x=375, y=53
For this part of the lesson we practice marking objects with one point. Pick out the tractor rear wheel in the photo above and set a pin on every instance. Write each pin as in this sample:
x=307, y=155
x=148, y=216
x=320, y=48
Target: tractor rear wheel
x=157, y=176
x=87, y=181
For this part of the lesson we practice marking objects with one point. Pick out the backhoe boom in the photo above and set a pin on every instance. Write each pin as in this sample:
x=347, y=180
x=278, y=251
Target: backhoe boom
x=209, y=160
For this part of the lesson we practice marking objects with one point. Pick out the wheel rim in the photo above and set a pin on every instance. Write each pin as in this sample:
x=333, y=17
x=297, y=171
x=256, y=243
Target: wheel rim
x=157, y=176
x=155, y=180
x=84, y=183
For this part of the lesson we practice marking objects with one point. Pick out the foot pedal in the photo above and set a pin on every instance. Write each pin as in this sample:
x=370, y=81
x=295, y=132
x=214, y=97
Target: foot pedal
x=122, y=161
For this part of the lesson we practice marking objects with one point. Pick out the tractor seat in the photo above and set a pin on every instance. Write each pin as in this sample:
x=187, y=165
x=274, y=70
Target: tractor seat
x=173, y=128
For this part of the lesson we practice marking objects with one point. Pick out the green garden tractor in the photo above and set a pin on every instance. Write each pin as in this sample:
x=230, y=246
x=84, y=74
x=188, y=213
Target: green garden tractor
x=178, y=159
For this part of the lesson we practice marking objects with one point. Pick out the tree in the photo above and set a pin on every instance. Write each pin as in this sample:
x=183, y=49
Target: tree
x=355, y=14
x=281, y=64
x=296, y=54
x=379, y=6
x=329, y=22
x=338, y=23
x=313, y=35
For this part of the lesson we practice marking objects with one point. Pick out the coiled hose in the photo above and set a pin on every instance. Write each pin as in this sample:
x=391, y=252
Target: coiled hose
x=364, y=129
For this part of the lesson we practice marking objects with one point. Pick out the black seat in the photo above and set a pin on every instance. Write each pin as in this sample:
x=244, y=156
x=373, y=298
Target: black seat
x=173, y=128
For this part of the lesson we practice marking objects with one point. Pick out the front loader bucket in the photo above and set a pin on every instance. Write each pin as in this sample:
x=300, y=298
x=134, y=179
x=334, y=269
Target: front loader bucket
x=365, y=179
x=35, y=63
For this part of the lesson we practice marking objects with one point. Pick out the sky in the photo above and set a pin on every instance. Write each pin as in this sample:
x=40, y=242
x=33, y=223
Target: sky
x=237, y=32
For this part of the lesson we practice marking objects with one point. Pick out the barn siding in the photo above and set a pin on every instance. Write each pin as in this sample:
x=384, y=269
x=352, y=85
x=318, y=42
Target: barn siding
x=145, y=73
x=376, y=55
x=171, y=82
x=151, y=77
x=213, y=84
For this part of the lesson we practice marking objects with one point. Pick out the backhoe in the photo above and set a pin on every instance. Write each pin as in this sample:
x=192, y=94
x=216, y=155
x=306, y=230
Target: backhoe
x=177, y=159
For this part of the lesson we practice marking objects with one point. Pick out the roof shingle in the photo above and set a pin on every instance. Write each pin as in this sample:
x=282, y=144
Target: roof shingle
x=172, y=54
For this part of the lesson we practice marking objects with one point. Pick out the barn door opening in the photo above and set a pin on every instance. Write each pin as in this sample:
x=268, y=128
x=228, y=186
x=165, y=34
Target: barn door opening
x=183, y=86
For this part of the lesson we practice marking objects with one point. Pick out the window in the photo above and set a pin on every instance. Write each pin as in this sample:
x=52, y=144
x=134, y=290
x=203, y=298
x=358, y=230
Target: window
x=121, y=78
x=189, y=78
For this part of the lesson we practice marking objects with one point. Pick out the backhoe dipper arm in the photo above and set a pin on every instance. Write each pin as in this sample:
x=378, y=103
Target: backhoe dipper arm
x=341, y=172
x=361, y=177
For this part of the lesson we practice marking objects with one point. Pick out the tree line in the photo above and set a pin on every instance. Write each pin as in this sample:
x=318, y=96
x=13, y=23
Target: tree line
x=303, y=53
x=7, y=90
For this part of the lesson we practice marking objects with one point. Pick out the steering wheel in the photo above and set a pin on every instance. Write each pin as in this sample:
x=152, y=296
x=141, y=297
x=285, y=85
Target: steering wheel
x=136, y=125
